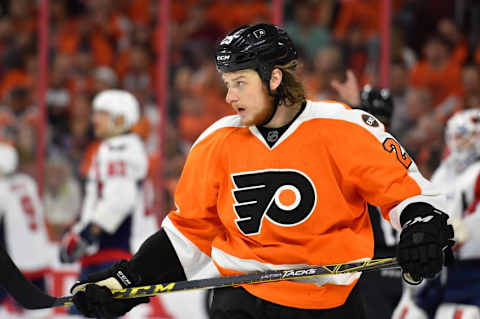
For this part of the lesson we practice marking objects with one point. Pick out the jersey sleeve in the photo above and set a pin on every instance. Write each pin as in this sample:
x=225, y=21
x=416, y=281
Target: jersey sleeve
x=379, y=167
x=195, y=223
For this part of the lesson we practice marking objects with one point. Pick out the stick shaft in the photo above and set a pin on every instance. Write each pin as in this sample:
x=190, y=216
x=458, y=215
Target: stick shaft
x=253, y=278
x=19, y=287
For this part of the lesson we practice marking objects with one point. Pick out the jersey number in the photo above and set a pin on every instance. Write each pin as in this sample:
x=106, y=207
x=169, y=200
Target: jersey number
x=29, y=210
x=118, y=168
x=390, y=145
x=284, y=197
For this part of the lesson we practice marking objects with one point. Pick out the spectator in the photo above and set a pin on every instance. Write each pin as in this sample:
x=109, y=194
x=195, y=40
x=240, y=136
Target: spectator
x=448, y=29
x=62, y=196
x=424, y=142
x=328, y=66
x=355, y=52
x=104, y=78
x=398, y=89
x=417, y=103
x=306, y=32
x=137, y=74
x=470, y=83
x=437, y=71
x=80, y=132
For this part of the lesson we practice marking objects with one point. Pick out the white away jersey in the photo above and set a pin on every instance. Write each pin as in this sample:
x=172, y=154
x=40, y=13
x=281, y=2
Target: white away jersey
x=113, y=189
x=463, y=196
x=23, y=222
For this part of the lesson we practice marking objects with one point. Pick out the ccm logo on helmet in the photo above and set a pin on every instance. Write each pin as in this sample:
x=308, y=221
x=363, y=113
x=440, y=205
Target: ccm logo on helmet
x=223, y=57
x=285, y=197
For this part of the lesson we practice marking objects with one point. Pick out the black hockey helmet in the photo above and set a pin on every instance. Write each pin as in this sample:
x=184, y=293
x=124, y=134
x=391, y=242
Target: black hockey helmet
x=259, y=47
x=378, y=102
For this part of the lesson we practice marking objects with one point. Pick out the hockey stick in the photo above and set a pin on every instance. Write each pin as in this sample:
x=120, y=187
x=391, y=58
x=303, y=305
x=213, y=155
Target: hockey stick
x=252, y=278
x=30, y=297
x=20, y=288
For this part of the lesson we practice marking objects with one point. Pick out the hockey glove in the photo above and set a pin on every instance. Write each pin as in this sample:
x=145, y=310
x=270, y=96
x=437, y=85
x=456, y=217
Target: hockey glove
x=425, y=242
x=72, y=247
x=75, y=244
x=93, y=296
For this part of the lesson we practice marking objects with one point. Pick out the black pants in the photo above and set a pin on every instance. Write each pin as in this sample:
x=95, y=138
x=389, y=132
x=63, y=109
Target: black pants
x=381, y=292
x=237, y=303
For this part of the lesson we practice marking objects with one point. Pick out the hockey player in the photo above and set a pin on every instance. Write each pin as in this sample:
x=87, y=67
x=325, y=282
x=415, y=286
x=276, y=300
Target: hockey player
x=22, y=227
x=283, y=183
x=458, y=291
x=113, y=189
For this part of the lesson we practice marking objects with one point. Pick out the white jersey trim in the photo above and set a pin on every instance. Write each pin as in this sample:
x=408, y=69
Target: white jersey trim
x=227, y=121
x=228, y=261
x=436, y=200
x=196, y=264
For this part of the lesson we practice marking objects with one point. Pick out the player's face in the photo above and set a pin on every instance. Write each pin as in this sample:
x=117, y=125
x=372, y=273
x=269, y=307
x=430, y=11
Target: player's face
x=102, y=124
x=248, y=96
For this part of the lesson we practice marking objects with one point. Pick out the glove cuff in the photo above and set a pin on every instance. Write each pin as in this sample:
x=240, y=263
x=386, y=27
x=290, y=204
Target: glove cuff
x=118, y=276
x=123, y=274
x=423, y=211
x=120, y=271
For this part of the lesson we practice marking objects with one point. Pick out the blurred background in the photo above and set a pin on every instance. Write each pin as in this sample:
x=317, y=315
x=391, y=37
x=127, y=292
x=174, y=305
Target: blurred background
x=55, y=55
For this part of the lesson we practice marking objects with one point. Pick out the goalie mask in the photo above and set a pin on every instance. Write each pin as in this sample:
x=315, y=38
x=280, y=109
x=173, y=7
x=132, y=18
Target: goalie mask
x=462, y=136
x=118, y=103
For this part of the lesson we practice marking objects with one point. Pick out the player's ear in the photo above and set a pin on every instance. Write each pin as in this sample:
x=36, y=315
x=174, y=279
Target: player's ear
x=275, y=79
x=119, y=121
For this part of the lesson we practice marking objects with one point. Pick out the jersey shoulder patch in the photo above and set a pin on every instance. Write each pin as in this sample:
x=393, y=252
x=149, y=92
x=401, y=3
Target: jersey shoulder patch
x=339, y=111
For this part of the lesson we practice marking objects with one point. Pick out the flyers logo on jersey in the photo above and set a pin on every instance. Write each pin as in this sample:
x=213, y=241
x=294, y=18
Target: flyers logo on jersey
x=285, y=197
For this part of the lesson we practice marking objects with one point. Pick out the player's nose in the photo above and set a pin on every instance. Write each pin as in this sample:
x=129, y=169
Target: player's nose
x=231, y=97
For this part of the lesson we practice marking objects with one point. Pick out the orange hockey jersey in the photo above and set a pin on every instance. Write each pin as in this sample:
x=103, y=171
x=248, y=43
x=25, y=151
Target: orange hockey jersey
x=250, y=207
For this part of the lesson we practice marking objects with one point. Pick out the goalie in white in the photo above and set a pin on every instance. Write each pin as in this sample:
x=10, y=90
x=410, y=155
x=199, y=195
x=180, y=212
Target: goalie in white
x=113, y=189
x=457, y=291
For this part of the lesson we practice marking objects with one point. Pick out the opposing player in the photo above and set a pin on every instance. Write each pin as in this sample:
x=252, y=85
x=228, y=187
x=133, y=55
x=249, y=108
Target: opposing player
x=113, y=190
x=283, y=183
x=459, y=176
x=22, y=227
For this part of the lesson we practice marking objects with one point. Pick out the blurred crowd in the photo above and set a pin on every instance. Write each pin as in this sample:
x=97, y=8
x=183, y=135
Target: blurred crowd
x=95, y=45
